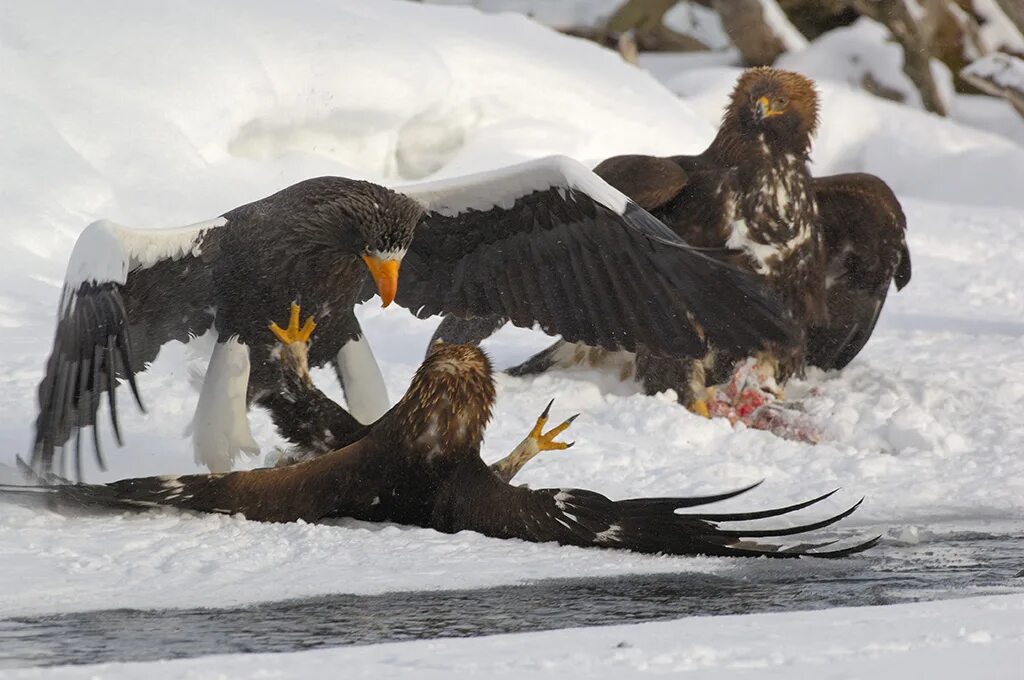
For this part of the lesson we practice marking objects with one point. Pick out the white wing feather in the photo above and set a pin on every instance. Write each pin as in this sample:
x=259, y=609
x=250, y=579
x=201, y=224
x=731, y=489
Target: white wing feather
x=502, y=187
x=106, y=251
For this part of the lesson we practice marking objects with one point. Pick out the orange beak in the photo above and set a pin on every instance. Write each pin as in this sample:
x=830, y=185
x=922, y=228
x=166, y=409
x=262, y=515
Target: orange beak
x=385, y=275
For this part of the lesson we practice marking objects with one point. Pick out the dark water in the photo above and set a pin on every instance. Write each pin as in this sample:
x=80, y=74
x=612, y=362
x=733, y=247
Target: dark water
x=956, y=564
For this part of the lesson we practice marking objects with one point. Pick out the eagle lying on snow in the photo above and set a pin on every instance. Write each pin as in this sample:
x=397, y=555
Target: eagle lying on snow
x=542, y=242
x=420, y=464
x=829, y=247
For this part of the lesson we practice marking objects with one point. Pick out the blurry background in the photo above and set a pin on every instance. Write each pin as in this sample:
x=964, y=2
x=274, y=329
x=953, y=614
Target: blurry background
x=918, y=52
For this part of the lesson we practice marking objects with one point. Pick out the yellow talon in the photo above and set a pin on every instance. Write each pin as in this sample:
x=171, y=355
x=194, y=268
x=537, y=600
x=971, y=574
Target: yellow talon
x=546, y=440
x=700, y=407
x=293, y=333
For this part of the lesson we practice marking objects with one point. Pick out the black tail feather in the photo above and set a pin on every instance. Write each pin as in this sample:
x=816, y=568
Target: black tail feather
x=759, y=514
x=790, y=531
x=676, y=503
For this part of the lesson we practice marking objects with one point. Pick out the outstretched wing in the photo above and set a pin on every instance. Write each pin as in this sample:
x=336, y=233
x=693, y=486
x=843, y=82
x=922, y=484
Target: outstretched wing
x=343, y=483
x=549, y=242
x=126, y=293
x=866, y=249
x=583, y=518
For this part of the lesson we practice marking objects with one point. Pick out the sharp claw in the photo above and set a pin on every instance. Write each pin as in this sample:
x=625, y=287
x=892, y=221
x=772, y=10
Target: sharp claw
x=547, y=410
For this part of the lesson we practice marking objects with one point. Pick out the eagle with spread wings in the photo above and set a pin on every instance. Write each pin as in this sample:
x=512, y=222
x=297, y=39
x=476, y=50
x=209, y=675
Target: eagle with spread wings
x=545, y=242
x=828, y=247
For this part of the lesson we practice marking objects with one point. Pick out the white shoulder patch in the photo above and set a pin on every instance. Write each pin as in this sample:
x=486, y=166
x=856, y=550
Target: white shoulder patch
x=502, y=187
x=106, y=251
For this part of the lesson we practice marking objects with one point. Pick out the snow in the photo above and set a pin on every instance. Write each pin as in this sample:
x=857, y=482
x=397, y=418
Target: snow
x=981, y=638
x=1003, y=70
x=852, y=53
x=791, y=38
x=146, y=114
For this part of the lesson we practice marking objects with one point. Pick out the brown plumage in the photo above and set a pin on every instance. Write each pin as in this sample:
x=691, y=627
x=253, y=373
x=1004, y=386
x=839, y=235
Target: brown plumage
x=866, y=247
x=420, y=464
x=828, y=247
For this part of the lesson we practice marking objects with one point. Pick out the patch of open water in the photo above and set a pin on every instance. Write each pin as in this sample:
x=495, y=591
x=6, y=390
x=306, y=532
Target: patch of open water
x=945, y=563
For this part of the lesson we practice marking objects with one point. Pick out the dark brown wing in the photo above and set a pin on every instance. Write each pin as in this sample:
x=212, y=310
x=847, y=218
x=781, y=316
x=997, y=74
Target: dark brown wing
x=649, y=181
x=554, y=245
x=866, y=249
x=479, y=501
x=128, y=293
x=342, y=483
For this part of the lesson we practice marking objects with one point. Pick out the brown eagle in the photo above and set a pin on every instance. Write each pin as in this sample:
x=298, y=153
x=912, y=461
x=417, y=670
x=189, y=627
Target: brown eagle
x=544, y=242
x=420, y=464
x=828, y=247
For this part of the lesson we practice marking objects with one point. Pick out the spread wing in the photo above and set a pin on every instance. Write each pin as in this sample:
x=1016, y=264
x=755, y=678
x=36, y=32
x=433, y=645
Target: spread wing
x=578, y=517
x=343, y=483
x=126, y=293
x=549, y=242
x=866, y=249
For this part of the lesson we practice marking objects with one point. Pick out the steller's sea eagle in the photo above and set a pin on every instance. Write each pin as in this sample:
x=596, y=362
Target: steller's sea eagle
x=829, y=247
x=420, y=464
x=544, y=242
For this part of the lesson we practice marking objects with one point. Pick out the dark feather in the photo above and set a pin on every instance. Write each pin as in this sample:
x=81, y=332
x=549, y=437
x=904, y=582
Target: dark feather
x=101, y=340
x=576, y=268
x=865, y=241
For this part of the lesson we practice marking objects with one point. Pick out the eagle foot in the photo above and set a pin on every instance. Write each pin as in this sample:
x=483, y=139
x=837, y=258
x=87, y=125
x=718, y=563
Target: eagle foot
x=535, y=442
x=545, y=441
x=293, y=333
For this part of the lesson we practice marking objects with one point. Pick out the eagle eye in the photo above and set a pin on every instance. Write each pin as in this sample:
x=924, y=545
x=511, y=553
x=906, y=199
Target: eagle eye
x=780, y=102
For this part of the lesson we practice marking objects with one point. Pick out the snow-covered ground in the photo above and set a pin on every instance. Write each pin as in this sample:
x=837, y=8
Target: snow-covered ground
x=169, y=114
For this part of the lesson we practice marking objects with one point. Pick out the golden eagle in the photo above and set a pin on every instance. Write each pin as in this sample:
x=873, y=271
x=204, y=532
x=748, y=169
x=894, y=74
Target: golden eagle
x=828, y=247
x=544, y=242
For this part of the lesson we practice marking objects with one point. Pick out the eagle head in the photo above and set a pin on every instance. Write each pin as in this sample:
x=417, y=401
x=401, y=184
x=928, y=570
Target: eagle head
x=448, y=405
x=386, y=221
x=776, y=106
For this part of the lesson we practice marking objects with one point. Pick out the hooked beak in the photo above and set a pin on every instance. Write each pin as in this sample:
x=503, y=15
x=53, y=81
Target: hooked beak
x=764, y=109
x=385, y=275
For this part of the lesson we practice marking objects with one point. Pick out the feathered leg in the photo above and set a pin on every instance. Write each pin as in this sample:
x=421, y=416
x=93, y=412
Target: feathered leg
x=309, y=419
